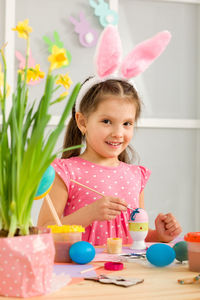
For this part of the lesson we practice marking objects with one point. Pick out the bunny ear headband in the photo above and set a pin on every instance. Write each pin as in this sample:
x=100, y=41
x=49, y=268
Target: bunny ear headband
x=108, y=58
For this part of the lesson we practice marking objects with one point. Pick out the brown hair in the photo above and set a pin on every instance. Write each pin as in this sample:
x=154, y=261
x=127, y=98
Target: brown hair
x=90, y=103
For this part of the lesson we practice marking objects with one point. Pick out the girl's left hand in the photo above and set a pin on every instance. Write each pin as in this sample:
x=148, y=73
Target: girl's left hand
x=167, y=227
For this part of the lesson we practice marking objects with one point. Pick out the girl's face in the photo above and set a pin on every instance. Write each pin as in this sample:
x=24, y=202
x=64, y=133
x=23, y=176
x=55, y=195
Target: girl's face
x=109, y=129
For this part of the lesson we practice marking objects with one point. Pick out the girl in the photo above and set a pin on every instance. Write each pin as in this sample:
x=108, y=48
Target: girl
x=104, y=116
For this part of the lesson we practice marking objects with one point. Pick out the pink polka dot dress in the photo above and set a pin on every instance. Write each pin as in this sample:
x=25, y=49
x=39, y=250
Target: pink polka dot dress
x=124, y=181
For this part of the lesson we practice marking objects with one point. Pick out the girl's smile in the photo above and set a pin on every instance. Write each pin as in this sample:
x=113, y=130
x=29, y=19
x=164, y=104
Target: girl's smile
x=114, y=144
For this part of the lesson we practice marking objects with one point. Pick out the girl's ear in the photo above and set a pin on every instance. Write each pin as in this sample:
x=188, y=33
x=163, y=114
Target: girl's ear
x=108, y=52
x=141, y=57
x=81, y=122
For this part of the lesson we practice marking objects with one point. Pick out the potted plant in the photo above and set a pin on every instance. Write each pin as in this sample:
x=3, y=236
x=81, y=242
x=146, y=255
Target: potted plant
x=27, y=253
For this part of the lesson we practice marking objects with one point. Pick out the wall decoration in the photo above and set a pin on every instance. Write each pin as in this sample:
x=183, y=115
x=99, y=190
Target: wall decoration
x=87, y=35
x=105, y=14
x=56, y=42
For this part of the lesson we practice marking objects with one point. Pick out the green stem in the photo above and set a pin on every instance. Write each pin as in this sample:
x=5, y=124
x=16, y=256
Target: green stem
x=4, y=89
x=21, y=107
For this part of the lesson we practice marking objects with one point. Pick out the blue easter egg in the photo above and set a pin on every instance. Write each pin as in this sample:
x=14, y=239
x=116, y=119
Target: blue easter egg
x=46, y=182
x=160, y=255
x=82, y=252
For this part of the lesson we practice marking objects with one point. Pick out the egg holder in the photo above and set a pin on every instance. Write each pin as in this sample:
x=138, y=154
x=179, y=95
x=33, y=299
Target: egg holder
x=138, y=228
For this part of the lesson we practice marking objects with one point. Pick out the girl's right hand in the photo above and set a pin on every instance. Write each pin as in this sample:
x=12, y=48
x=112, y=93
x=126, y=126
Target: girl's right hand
x=107, y=208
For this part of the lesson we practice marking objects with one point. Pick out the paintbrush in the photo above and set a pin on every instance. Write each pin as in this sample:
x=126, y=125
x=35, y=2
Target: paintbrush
x=87, y=187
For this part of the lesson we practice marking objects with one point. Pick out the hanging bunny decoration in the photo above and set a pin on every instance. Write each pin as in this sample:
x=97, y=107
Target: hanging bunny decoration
x=106, y=15
x=87, y=35
x=56, y=42
x=109, y=63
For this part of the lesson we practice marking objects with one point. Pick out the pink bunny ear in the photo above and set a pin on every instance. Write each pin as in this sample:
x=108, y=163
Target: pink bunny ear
x=108, y=52
x=144, y=54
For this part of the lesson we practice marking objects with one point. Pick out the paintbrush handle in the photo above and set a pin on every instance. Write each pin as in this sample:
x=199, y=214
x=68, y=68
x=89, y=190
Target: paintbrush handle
x=53, y=211
x=87, y=187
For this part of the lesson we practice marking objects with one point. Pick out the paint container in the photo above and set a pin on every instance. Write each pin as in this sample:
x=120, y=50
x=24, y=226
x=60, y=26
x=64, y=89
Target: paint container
x=64, y=236
x=114, y=245
x=193, y=242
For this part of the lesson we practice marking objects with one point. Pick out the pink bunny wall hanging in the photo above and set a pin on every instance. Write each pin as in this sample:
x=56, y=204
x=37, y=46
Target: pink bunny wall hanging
x=105, y=14
x=31, y=64
x=110, y=65
x=87, y=35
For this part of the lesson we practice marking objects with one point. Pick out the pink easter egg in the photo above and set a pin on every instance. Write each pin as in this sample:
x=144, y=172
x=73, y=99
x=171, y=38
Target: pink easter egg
x=139, y=215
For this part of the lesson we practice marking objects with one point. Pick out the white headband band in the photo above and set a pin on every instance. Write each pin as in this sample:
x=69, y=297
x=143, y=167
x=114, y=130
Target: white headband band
x=108, y=58
x=89, y=84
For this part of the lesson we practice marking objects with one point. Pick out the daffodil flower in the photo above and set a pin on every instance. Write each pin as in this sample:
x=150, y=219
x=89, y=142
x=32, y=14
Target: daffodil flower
x=23, y=29
x=66, y=82
x=33, y=74
x=58, y=58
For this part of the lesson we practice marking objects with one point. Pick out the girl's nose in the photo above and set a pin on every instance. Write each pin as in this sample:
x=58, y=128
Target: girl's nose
x=117, y=132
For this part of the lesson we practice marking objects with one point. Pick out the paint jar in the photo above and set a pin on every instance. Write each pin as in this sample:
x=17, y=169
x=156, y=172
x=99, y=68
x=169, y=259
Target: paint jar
x=114, y=245
x=193, y=242
x=64, y=236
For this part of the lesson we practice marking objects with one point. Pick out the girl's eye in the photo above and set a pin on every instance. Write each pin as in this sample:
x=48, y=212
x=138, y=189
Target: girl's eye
x=128, y=124
x=106, y=121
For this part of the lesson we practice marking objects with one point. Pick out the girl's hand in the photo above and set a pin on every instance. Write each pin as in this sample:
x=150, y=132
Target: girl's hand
x=107, y=208
x=167, y=227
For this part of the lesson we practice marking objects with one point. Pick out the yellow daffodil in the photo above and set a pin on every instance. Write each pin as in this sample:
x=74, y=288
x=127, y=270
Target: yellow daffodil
x=58, y=58
x=66, y=82
x=23, y=29
x=33, y=74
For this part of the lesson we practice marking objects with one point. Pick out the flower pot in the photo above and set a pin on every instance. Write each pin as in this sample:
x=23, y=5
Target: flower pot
x=26, y=264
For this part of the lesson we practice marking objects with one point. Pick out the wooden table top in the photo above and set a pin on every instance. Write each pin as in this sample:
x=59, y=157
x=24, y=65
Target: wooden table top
x=159, y=283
